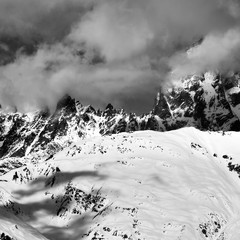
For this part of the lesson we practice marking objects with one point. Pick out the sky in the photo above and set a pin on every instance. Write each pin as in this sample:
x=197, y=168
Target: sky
x=118, y=51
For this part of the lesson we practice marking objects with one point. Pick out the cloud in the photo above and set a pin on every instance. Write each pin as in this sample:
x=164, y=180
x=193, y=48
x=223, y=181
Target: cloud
x=50, y=20
x=117, y=51
x=113, y=28
x=40, y=80
x=121, y=28
x=218, y=51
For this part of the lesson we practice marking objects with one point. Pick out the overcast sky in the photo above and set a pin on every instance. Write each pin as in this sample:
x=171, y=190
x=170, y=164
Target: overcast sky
x=131, y=48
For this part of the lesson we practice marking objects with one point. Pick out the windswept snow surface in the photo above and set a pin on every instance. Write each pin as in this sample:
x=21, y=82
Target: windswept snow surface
x=143, y=185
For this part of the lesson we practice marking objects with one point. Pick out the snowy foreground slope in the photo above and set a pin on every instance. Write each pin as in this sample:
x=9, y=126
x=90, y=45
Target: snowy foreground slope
x=182, y=184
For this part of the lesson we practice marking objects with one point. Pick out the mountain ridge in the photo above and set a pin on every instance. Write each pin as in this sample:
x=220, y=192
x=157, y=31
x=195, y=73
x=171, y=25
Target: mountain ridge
x=205, y=102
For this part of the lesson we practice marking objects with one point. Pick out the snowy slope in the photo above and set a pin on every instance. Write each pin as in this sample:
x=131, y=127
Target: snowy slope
x=15, y=228
x=143, y=185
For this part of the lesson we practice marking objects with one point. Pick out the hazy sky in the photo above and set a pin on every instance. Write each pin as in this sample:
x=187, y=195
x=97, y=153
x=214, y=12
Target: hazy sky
x=131, y=48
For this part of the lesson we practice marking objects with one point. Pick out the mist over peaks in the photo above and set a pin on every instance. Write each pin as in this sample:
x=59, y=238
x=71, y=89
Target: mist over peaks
x=112, y=51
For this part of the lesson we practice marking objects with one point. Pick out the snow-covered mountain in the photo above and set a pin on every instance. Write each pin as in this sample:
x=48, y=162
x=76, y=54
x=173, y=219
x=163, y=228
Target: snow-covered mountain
x=181, y=184
x=81, y=173
x=209, y=102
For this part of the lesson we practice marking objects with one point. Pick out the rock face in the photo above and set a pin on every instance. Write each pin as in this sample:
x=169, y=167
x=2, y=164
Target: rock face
x=209, y=102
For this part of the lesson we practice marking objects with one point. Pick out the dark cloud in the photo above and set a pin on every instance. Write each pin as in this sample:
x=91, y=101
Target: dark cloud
x=50, y=20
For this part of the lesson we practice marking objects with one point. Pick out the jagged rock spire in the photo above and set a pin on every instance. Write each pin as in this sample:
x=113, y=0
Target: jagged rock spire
x=161, y=107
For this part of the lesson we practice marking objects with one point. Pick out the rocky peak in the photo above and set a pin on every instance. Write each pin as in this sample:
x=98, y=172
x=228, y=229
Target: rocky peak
x=161, y=106
x=208, y=102
x=109, y=110
x=66, y=103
